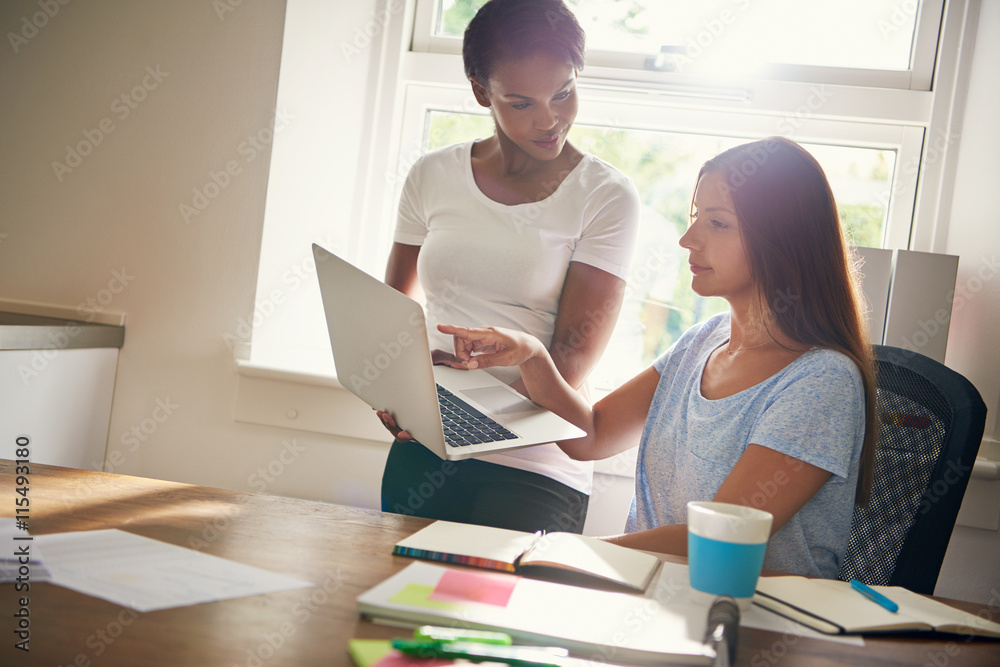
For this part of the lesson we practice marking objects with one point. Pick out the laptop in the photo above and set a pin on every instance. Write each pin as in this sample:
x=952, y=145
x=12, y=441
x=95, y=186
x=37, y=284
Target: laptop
x=383, y=356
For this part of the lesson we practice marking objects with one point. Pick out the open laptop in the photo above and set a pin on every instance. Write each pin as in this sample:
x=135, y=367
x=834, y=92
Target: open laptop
x=382, y=355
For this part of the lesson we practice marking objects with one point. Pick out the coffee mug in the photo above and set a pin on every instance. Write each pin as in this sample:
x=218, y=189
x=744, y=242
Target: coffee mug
x=726, y=545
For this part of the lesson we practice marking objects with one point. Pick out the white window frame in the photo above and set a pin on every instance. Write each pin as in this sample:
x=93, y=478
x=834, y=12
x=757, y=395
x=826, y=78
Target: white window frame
x=620, y=65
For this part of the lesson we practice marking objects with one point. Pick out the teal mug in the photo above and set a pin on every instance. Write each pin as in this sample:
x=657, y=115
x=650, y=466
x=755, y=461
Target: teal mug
x=726, y=545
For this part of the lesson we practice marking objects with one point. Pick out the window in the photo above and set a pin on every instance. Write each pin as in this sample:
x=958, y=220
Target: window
x=651, y=104
x=867, y=42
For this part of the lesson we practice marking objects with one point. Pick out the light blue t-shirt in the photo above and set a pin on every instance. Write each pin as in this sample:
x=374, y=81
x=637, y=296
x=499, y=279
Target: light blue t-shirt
x=812, y=410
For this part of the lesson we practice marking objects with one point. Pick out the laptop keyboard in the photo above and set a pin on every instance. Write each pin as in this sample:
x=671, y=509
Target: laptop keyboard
x=464, y=425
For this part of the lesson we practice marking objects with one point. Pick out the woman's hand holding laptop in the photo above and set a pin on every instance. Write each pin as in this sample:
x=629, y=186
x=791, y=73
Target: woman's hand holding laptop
x=482, y=347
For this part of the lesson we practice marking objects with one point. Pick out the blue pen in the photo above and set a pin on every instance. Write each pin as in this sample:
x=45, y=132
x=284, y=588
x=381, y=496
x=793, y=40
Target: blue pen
x=874, y=596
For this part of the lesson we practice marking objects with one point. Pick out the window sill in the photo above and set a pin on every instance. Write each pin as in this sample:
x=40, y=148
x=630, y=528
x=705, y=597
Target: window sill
x=312, y=401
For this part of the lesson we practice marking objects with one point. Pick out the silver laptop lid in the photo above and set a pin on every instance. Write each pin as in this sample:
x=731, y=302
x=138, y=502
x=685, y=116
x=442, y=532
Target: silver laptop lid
x=380, y=347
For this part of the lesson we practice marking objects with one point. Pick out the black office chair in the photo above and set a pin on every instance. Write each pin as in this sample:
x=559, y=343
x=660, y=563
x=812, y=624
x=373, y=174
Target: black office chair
x=931, y=421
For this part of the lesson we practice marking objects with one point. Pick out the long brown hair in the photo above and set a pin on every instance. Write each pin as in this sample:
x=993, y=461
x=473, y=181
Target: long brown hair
x=805, y=276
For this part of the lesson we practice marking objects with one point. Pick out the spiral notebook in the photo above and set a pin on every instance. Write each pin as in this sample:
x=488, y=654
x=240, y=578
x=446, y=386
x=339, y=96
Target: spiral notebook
x=564, y=557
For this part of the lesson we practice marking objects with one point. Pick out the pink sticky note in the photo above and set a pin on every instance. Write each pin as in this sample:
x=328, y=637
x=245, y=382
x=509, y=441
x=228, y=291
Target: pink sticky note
x=470, y=586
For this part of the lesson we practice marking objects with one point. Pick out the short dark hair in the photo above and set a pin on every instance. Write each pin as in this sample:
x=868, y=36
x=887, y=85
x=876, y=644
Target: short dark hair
x=513, y=29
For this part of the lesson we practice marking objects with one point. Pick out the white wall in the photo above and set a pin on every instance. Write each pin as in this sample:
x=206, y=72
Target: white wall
x=971, y=569
x=186, y=284
x=191, y=284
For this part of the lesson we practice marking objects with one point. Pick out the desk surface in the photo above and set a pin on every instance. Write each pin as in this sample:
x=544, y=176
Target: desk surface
x=343, y=550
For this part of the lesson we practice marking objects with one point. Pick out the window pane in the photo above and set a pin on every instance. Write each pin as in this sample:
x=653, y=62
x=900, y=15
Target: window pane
x=659, y=304
x=720, y=35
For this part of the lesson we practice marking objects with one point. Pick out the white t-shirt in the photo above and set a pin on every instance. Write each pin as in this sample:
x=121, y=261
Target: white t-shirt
x=486, y=263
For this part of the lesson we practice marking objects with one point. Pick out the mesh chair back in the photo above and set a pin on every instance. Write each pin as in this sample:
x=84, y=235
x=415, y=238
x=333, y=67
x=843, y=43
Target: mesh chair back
x=931, y=421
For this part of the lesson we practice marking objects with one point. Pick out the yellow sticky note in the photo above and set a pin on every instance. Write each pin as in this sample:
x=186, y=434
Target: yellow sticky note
x=417, y=595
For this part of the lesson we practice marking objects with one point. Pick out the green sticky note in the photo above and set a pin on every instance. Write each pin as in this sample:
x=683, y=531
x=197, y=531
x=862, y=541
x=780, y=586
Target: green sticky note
x=417, y=595
x=366, y=652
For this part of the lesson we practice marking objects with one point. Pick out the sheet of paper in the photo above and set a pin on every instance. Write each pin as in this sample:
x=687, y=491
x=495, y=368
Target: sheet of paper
x=146, y=575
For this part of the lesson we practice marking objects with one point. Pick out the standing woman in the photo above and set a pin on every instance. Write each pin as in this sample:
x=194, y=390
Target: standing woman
x=770, y=405
x=520, y=229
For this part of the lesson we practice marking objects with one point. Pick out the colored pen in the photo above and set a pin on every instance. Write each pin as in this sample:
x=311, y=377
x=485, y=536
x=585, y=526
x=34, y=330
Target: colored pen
x=439, y=634
x=874, y=596
x=521, y=656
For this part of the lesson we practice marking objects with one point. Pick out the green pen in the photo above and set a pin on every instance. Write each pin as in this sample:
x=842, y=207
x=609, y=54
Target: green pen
x=521, y=656
x=439, y=634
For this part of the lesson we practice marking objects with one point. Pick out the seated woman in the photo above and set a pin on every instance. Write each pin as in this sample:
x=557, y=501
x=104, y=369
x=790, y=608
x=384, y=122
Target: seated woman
x=770, y=405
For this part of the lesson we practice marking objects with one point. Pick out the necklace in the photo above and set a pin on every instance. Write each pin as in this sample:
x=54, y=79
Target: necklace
x=730, y=351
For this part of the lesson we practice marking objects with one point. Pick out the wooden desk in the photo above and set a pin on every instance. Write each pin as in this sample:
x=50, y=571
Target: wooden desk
x=343, y=550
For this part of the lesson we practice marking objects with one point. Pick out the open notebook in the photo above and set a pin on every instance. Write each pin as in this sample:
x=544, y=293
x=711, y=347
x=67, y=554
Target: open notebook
x=833, y=607
x=564, y=557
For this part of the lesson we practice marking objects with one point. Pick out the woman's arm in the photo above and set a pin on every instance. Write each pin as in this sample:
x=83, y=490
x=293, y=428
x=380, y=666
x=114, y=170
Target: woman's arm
x=612, y=425
x=401, y=270
x=588, y=309
x=401, y=274
x=763, y=478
